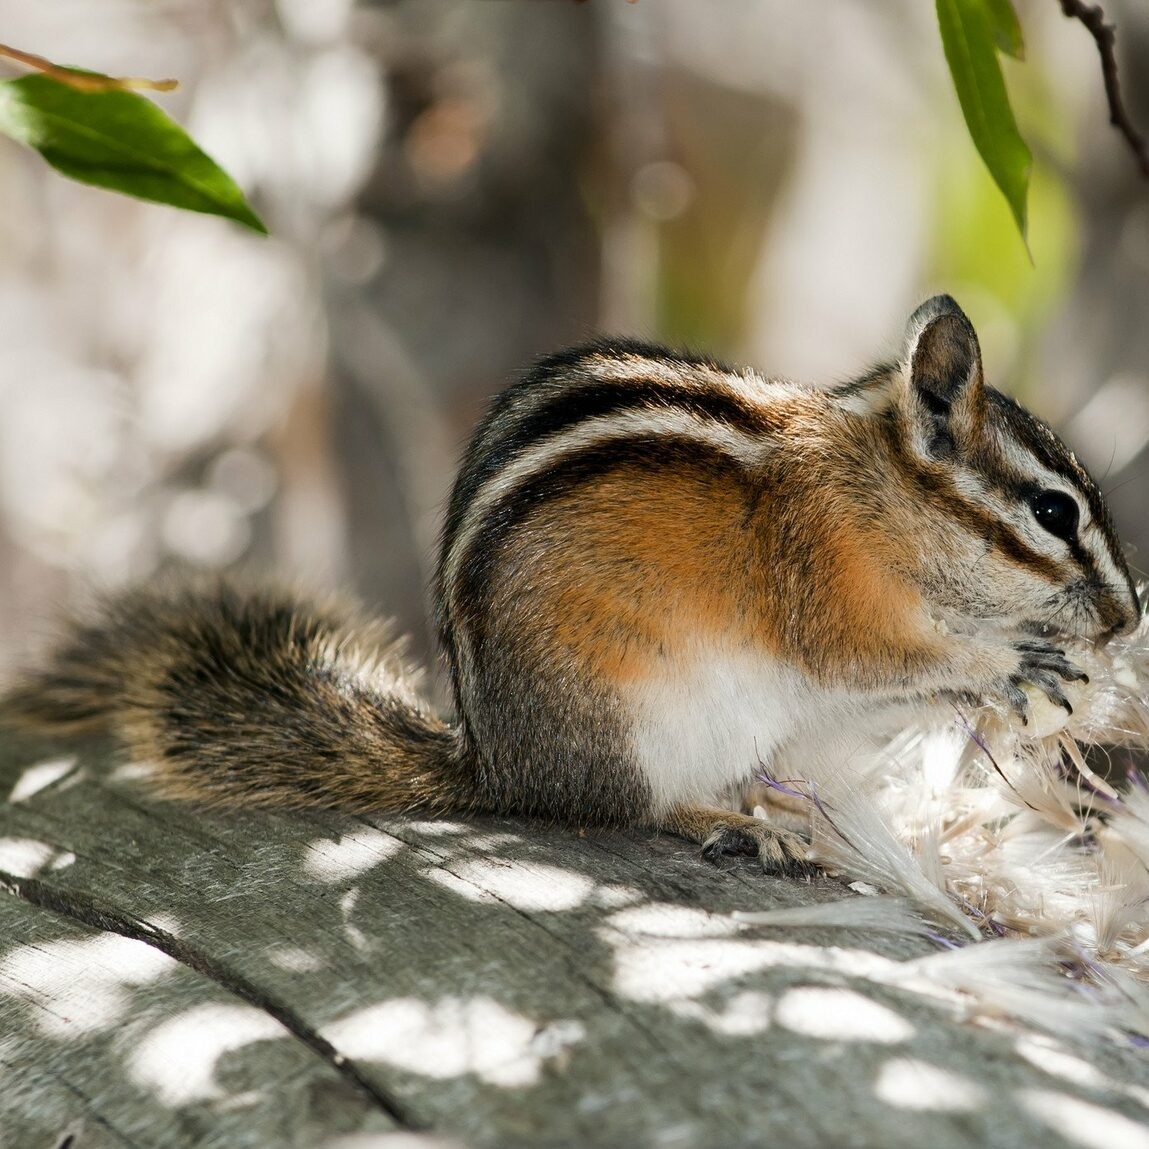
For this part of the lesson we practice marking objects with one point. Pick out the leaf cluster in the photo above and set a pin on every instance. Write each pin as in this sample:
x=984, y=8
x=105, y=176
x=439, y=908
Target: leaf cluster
x=973, y=33
x=99, y=131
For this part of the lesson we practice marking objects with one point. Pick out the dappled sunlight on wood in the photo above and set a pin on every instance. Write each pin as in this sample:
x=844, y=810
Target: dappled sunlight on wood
x=1083, y=1123
x=743, y=1015
x=82, y=986
x=177, y=1058
x=527, y=886
x=837, y=1014
x=670, y=921
x=41, y=775
x=657, y=971
x=294, y=959
x=351, y=854
x=906, y=1083
x=455, y=1036
x=24, y=856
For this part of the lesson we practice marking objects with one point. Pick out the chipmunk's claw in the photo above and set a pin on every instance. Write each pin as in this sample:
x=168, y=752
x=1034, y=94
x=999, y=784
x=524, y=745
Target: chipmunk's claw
x=1046, y=667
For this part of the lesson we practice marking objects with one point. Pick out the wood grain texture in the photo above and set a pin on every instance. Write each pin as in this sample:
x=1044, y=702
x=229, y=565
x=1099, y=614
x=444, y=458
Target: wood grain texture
x=174, y=978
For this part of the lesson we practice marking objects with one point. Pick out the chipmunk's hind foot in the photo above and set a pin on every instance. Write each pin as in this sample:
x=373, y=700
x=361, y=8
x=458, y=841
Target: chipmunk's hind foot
x=721, y=832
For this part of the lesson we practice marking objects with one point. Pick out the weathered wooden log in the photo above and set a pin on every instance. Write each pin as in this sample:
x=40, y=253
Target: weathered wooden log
x=170, y=977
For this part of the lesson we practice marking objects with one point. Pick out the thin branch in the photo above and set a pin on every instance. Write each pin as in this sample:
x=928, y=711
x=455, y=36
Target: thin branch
x=84, y=81
x=1103, y=34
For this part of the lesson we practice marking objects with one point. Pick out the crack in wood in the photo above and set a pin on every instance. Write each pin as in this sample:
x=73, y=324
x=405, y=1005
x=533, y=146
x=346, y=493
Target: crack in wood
x=83, y=908
x=441, y=855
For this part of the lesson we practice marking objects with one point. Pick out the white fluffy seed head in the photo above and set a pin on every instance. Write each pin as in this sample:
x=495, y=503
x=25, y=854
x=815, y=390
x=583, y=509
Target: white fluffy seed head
x=1021, y=833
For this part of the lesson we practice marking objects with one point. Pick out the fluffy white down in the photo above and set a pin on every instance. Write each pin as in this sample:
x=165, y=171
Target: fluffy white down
x=1007, y=829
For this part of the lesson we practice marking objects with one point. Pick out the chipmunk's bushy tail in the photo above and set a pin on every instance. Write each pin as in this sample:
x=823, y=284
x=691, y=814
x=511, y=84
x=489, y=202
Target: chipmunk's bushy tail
x=255, y=698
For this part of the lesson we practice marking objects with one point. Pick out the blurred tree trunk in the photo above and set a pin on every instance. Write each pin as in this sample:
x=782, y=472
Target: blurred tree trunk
x=486, y=256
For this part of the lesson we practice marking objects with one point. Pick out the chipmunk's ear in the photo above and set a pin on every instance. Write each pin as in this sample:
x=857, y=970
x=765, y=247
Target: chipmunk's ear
x=945, y=399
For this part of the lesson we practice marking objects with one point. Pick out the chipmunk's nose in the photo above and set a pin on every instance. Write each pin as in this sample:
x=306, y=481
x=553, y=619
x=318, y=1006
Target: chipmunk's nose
x=1119, y=611
x=1133, y=617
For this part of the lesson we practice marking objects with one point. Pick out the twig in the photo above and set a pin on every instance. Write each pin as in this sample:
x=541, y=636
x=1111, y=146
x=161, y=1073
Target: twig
x=84, y=81
x=1103, y=34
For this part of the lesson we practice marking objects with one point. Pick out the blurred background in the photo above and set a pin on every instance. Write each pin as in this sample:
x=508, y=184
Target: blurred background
x=456, y=186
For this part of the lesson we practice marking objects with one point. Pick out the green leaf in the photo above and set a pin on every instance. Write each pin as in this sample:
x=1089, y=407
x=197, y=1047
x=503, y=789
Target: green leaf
x=1006, y=28
x=122, y=141
x=968, y=39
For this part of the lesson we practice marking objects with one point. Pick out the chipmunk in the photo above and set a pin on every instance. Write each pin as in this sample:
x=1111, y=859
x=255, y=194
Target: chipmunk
x=655, y=574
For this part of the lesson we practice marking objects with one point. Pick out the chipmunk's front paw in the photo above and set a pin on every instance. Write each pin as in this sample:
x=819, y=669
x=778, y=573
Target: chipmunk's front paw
x=1047, y=668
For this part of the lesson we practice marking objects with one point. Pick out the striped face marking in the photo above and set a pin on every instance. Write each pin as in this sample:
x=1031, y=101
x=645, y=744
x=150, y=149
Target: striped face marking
x=1051, y=559
x=1054, y=507
x=1018, y=494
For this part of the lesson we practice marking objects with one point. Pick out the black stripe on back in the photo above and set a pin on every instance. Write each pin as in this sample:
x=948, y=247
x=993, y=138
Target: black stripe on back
x=580, y=400
x=878, y=374
x=560, y=479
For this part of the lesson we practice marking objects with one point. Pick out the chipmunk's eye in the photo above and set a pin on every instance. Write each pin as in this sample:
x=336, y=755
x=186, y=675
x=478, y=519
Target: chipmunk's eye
x=1056, y=512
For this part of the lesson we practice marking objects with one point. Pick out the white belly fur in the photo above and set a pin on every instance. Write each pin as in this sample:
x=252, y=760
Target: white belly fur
x=712, y=727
